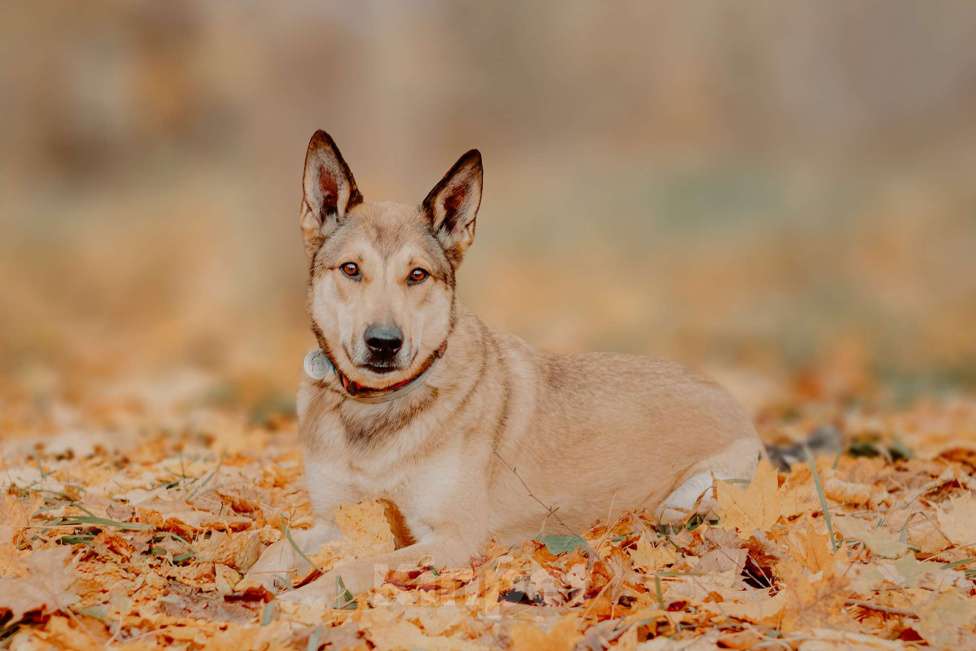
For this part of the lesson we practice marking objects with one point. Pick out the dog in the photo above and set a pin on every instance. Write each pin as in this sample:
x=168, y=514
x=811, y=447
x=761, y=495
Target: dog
x=471, y=433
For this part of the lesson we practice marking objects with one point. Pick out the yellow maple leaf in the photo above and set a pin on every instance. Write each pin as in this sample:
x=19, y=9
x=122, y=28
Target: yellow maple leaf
x=366, y=525
x=797, y=494
x=650, y=558
x=754, y=507
x=810, y=599
x=812, y=548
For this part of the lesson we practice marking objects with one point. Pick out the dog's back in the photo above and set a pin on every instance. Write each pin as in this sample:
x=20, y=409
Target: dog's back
x=611, y=432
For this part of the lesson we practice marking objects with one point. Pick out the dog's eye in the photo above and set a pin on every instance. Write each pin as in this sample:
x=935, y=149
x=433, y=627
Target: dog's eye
x=418, y=276
x=351, y=269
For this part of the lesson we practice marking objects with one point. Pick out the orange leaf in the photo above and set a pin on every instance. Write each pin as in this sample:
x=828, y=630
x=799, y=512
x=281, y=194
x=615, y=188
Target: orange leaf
x=561, y=637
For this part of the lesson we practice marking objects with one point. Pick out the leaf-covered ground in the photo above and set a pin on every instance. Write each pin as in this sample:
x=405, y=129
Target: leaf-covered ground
x=131, y=519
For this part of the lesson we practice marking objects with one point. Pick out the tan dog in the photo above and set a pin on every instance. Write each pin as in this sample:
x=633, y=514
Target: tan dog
x=471, y=433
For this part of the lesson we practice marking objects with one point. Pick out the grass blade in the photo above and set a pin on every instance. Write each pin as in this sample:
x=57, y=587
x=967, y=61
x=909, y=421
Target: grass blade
x=834, y=544
x=344, y=599
x=287, y=531
x=76, y=520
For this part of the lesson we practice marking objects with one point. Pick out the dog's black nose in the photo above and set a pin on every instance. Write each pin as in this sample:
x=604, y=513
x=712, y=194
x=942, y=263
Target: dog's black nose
x=384, y=340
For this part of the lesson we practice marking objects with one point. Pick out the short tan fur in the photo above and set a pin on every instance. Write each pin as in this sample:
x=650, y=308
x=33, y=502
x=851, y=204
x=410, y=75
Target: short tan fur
x=491, y=433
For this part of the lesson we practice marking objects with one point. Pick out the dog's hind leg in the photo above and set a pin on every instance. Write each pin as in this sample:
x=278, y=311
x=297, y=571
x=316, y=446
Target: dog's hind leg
x=696, y=494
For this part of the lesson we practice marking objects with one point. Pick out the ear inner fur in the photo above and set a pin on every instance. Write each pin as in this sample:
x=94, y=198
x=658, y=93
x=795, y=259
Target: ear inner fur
x=329, y=194
x=451, y=207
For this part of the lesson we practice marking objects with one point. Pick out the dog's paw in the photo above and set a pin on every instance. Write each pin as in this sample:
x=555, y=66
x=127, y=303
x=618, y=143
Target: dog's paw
x=280, y=565
x=277, y=567
x=328, y=590
x=695, y=495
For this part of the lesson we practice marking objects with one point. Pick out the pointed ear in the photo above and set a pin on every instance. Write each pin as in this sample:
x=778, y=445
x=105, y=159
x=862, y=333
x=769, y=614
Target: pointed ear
x=452, y=206
x=328, y=191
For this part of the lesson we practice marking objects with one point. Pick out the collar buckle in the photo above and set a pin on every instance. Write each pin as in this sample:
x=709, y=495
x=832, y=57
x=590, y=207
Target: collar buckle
x=317, y=365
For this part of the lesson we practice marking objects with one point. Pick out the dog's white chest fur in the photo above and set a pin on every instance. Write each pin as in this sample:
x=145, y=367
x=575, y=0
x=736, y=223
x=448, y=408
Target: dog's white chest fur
x=397, y=468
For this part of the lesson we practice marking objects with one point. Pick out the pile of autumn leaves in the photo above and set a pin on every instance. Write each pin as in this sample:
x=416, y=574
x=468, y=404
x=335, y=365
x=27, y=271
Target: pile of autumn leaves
x=150, y=545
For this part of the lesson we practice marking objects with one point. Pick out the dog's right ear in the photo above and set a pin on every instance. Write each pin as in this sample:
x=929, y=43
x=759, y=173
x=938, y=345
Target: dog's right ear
x=328, y=191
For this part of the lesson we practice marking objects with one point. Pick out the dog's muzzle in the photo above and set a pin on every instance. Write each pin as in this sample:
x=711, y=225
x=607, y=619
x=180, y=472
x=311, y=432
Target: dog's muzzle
x=319, y=367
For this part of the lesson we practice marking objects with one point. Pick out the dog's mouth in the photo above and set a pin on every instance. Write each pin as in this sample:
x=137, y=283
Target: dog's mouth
x=380, y=368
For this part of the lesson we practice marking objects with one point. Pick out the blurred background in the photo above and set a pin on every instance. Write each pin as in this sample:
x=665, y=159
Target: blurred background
x=781, y=190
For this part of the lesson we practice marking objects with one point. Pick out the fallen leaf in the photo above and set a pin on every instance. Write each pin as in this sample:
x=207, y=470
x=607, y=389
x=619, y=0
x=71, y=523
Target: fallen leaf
x=755, y=507
x=823, y=639
x=957, y=519
x=651, y=558
x=45, y=589
x=365, y=524
x=562, y=636
x=755, y=606
x=879, y=540
x=847, y=492
x=946, y=621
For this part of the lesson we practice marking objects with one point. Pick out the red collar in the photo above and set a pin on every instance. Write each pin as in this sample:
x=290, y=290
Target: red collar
x=364, y=393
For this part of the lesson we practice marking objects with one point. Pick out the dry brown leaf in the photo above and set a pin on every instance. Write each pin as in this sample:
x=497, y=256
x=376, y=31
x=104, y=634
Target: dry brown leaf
x=847, y=492
x=11, y=561
x=925, y=534
x=15, y=514
x=45, y=588
x=947, y=620
x=957, y=519
x=881, y=541
x=755, y=606
x=406, y=635
x=825, y=639
x=695, y=586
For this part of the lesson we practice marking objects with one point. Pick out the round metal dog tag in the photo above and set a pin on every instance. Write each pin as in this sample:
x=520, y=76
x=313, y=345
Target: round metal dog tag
x=317, y=365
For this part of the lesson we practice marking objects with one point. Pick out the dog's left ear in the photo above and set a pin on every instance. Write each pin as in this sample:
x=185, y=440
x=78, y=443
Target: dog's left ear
x=451, y=208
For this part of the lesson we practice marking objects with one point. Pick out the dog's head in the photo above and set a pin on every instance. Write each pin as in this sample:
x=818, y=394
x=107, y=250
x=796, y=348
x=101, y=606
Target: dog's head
x=381, y=287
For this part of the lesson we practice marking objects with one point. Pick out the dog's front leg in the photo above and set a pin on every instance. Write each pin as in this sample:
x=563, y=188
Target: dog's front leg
x=274, y=567
x=276, y=564
x=439, y=548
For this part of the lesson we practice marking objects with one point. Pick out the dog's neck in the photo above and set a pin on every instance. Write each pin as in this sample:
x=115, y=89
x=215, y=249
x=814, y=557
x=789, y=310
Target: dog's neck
x=319, y=367
x=327, y=410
